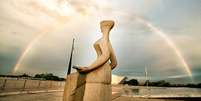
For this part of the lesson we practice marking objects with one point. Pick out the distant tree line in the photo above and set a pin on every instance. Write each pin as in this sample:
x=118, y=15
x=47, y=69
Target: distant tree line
x=49, y=76
x=16, y=76
x=163, y=83
x=43, y=76
x=160, y=83
x=133, y=82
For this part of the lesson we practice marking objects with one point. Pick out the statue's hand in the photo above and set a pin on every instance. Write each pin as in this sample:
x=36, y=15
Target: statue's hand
x=81, y=69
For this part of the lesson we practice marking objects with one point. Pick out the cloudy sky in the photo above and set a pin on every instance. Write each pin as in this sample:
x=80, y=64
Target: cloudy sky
x=36, y=36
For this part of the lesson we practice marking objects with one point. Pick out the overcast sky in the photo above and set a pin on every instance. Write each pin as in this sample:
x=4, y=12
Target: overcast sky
x=47, y=27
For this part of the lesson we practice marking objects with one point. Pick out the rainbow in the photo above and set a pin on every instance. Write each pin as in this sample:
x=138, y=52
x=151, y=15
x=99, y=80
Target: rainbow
x=62, y=16
x=47, y=29
x=164, y=36
x=154, y=29
x=29, y=47
x=169, y=42
x=148, y=24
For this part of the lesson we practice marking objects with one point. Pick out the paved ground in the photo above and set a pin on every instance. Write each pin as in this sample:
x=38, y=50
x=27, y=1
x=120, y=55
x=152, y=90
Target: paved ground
x=57, y=96
x=54, y=96
x=34, y=89
x=146, y=99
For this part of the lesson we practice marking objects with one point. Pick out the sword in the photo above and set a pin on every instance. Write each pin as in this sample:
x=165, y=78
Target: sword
x=71, y=56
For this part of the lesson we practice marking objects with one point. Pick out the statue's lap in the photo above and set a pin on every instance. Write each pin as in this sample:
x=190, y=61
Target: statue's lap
x=94, y=86
x=100, y=75
x=98, y=84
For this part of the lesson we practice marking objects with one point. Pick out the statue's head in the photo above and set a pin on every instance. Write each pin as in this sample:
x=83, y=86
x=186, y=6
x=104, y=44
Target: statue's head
x=106, y=25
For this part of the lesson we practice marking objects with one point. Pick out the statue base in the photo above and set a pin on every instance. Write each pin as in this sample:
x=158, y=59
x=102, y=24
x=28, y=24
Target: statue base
x=76, y=89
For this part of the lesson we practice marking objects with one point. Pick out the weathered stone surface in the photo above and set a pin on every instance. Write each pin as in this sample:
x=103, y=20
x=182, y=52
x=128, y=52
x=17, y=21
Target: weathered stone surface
x=98, y=92
x=93, y=83
x=100, y=75
x=74, y=88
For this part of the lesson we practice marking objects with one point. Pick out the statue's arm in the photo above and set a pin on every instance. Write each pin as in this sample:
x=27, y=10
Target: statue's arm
x=113, y=59
x=103, y=58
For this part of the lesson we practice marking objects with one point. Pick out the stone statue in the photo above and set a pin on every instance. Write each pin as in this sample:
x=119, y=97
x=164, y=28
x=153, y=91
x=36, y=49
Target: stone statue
x=93, y=83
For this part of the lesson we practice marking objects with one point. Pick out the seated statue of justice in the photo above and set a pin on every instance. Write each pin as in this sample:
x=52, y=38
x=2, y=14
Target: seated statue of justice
x=93, y=83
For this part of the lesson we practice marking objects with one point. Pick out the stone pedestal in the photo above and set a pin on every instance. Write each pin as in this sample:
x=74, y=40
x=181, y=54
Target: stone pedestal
x=74, y=87
x=94, y=86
